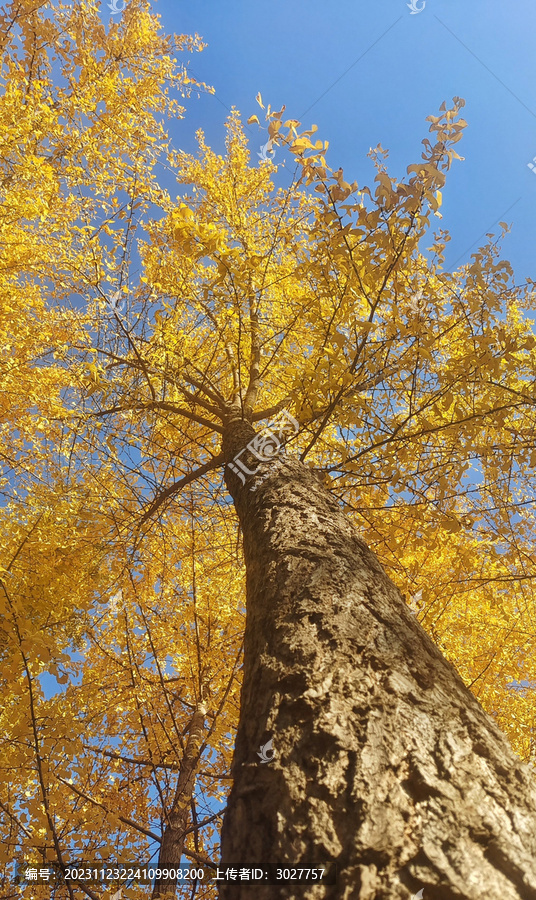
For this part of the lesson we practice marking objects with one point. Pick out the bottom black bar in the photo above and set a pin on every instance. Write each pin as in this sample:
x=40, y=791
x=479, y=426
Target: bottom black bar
x=95, y=873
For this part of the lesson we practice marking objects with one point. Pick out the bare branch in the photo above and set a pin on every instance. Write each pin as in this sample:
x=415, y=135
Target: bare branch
x=254, y=367
x=200, y=859
x=161, y=404
x=129, y=822
x=271, y=411
x=177, y=486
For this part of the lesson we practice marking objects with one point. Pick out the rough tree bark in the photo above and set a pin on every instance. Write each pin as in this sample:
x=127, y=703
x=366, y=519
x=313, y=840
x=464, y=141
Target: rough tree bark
x=385, y=763
x=174, y=835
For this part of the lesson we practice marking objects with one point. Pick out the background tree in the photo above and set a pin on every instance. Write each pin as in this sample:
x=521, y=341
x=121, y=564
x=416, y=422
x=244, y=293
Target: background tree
x=82, y=136
x=313, y=297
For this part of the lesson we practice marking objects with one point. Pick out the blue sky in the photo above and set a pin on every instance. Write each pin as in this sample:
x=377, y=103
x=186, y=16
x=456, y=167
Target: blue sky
x=371, y=72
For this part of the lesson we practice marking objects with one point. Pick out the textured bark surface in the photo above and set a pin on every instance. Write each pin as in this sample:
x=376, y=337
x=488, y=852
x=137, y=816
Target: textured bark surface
x=385, y=763
x=174, y=836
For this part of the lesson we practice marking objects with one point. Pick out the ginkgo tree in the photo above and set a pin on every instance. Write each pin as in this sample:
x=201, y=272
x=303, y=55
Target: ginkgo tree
x=81, y=106
x=147, y=338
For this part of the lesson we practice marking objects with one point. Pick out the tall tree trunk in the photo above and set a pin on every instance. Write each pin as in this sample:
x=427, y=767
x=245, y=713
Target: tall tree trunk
x=173, y=838
x=385, y=763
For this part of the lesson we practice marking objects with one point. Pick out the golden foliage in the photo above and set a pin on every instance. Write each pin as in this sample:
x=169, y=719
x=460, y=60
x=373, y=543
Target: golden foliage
x=122, y=576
